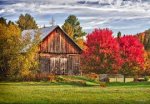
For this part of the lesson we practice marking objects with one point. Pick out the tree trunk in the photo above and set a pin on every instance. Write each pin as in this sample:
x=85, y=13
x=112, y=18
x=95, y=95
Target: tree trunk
x=124, y=79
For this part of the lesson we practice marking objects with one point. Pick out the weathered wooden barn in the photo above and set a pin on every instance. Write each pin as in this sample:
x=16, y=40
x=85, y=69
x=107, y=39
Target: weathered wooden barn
x=58, y=53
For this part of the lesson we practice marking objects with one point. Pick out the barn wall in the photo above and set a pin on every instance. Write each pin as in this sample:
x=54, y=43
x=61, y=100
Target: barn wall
x=57, y=42
x=60, y=63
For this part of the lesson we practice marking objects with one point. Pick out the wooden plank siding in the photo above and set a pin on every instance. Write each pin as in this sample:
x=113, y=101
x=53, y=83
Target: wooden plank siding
x=57, y=42
x=60, y=63
x=59, y=54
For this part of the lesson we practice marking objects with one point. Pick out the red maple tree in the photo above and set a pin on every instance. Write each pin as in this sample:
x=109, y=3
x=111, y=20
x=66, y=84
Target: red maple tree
x=106, y=54
x=132, y=55
x=102, y=52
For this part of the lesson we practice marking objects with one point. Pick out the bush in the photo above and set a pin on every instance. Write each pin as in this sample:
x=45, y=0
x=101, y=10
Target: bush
x=59, y=79
x=103, y=84
x=146, y=78
x=16, y=78
x=93, y=76
x=41, y=77
x=51, y=77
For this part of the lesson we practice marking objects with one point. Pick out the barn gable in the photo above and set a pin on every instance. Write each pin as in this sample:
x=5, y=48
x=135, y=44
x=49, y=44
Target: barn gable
x=58, y=41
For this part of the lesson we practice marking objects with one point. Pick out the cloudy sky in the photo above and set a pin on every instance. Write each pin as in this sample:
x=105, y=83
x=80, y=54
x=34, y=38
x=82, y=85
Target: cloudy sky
x=127, y=16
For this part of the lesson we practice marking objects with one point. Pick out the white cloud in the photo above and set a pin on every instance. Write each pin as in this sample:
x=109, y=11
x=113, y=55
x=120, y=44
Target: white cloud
x=117, y=14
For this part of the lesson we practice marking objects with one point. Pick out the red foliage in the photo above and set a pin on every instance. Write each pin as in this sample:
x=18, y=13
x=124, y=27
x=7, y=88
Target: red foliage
x=106, y=54
x=131, y=52
x=102, y=51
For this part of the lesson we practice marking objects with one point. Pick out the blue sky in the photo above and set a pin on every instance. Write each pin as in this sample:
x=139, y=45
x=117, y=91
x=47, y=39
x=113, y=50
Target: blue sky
x=127, y=16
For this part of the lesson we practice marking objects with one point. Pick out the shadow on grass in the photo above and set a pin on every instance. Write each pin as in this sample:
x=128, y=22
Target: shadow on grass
x=133, y=84
x=47, y=84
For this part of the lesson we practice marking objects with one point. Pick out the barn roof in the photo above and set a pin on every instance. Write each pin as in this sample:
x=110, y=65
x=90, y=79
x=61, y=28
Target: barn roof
x=45, y=31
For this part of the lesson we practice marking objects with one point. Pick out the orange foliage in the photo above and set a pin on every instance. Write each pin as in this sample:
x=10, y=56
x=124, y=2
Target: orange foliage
x=147, y=62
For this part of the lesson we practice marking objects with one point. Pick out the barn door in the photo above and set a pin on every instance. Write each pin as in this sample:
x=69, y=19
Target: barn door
x=74, y=64
x=58, y=65
x=44, y=64
x=54, y=65
x=63, y=65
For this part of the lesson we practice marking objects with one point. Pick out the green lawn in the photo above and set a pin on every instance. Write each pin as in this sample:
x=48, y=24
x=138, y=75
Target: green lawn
x=46, y=92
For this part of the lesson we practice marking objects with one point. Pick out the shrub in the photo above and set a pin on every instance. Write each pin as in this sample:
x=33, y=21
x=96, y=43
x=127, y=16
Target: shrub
x=146, y=78
x=30, y=77
x=16, y=78
x=51, y=77
x=93, y=76
x=102, y=84
x=41, y=77
x=59, y=79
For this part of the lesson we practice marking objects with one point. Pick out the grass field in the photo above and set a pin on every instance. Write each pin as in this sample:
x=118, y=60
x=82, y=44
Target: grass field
x=52, y=93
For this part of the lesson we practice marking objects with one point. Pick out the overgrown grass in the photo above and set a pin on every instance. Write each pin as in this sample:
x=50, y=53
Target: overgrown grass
x=62, y=93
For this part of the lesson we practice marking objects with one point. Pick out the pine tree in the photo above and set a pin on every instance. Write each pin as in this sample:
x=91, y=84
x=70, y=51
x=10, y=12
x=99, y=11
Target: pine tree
x=2, y=20
x=75, y=30
x=118, y=34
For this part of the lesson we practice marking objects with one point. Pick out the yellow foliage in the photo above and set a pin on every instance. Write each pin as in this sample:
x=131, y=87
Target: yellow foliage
x=68, y=29
x=147, y=60
x=80, y=42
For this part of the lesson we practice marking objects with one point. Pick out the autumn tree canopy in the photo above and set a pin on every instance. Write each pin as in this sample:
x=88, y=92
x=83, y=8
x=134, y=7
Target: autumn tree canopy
x=26, y=22
x=10, y=36
x=102, y=52
x=132, y=55
x=144, y=38
x=17, y=53
x=106, y=54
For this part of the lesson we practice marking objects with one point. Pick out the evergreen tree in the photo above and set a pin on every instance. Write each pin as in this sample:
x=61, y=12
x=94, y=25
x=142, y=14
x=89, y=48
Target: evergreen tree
x=26, y=22
x=2, y=20
x=74, y=30
x=119, y=34
x=77, y=29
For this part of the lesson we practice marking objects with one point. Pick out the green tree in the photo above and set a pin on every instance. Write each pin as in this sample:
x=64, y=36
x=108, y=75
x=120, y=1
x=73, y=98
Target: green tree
x=26, y=22
x=118, y=34
x=77, y=29
x=74, y=30
x=3, y=20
